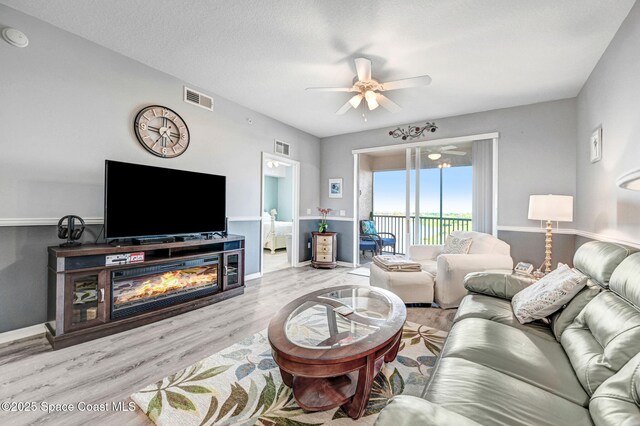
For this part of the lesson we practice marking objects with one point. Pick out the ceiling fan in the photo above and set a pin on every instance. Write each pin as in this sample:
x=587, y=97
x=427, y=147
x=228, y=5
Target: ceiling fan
x=436, y=153
x=369, y=89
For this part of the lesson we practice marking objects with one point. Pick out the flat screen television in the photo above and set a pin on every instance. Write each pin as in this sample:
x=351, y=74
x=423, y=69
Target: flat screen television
x=145, y=201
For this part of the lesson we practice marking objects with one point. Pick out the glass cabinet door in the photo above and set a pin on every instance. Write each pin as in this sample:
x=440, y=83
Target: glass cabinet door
x=84, y=300
x=232, y=269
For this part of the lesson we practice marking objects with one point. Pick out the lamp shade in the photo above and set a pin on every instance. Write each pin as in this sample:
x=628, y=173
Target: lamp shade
x=556, y=208
x=630, y=180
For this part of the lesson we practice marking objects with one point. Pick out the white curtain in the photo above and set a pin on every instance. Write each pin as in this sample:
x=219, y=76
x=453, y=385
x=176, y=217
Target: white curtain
x=482, y=205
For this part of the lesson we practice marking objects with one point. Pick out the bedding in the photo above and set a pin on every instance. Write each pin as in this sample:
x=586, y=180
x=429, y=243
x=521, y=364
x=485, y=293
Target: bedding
x=281, y=228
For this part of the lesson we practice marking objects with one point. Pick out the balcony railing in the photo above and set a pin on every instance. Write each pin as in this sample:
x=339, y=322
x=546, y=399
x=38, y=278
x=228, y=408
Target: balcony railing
x=431, y=230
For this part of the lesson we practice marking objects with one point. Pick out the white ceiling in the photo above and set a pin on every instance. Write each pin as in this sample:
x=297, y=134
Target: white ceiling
x=262, y=54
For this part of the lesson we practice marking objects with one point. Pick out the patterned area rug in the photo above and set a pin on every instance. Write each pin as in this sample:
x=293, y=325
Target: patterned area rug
x=241, y=385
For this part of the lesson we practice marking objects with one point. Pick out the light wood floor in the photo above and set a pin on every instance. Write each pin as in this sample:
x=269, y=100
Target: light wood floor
x=112, y=368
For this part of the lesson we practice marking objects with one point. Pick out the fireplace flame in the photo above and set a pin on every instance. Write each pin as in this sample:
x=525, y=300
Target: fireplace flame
x=168, y=282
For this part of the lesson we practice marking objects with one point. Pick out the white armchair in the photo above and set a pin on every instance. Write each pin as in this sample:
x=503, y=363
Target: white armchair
x=486, y=253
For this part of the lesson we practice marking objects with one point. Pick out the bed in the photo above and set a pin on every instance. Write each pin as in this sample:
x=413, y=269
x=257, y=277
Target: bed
x=274, y=232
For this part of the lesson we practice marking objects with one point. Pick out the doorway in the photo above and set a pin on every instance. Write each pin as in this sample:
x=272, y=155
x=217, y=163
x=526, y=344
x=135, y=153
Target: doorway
x=279, y=213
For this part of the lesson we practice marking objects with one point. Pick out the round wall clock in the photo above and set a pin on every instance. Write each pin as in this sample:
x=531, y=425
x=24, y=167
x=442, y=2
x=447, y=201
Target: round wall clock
x=161, y=131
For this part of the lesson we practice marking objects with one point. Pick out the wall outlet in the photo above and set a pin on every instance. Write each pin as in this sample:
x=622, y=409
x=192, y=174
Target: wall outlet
x=343, y=212
x=308, y=211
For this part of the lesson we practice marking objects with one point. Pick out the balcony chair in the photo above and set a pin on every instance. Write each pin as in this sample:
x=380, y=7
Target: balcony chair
x=369, y=243
x=368, y=234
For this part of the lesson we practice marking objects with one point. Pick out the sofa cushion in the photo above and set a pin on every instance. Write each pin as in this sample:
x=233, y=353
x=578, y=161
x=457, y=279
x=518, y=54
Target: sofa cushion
x=540, y=362
x=430, y=266
x=616, y=401
x=504, y=285
x=498, y=310
x=602, y=338
x=492, y=398
x=564, y=317
x=548, y=294
x=598, y=259
x=625, y=279
x=410, y=410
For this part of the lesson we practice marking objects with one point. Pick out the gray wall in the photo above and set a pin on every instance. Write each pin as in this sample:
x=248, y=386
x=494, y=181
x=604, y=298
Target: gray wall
x=365, y=196
x=529, y=247
x=611, y=99
x=285, y=196
x=270, y=193
x=536, y=155
x=344, y=228
x=69, y=104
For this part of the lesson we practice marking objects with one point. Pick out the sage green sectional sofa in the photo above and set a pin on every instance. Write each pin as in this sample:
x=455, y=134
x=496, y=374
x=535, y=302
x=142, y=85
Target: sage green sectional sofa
x=580, y=368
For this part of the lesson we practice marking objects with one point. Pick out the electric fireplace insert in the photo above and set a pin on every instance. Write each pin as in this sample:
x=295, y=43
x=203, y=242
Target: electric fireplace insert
x=137, y=290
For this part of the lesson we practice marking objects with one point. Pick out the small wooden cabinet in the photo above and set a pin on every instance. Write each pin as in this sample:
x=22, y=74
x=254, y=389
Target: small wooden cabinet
x=324, y=249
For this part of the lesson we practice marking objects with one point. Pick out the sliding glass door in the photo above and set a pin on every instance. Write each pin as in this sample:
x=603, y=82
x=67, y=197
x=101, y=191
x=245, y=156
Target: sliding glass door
x=425, y=199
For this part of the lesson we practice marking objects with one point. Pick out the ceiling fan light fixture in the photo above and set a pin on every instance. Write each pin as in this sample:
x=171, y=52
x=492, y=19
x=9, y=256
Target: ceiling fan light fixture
x=372, y=102
x=355, y=101
x=434, y=156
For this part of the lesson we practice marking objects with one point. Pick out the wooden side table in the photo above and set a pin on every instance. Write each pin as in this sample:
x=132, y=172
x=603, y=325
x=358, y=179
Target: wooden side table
x=324, y=249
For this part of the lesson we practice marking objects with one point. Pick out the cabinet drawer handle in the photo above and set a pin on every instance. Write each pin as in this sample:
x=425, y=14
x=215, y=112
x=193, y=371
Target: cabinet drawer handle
x=101, y=295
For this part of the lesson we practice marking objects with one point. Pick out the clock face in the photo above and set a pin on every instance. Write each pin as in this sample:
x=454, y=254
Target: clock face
x=161, y=131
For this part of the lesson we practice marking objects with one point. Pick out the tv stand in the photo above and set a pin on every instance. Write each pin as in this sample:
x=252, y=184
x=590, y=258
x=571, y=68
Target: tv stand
x=90, y=286
x=152, y=240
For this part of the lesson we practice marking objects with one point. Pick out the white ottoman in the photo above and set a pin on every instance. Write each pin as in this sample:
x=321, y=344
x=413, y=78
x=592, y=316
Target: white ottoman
x=411, y=287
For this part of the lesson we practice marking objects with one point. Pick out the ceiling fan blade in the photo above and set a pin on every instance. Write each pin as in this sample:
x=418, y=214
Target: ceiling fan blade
x=448, y=147
x=387, y=103
x=355, y=100
x=363, y=69
x=454, y=152
x=423, y=80
x=344, y=108
x=330, y=89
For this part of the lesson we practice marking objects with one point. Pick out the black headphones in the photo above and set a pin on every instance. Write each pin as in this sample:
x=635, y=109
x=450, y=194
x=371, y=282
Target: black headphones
x=70, y=231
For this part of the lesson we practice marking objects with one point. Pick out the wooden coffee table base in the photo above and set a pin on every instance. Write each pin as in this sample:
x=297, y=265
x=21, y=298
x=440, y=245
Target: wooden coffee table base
x=351, y=390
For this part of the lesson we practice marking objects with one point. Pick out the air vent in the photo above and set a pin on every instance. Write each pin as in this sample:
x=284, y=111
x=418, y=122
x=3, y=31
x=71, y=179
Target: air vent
x=282, y=148
x=196, y=98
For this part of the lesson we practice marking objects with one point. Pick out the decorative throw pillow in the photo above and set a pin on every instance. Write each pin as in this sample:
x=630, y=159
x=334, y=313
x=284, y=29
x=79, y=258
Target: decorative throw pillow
x=368, y=227
x=549, y=294
x=455, y=245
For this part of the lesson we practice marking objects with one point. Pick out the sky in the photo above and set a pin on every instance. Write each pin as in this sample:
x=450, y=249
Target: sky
x=389, y=190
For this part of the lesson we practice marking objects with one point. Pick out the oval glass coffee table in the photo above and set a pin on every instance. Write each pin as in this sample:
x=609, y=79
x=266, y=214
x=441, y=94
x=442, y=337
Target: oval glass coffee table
x=330, y=345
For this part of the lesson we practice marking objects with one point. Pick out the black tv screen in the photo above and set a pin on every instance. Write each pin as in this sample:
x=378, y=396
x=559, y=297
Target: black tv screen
x=142, y=201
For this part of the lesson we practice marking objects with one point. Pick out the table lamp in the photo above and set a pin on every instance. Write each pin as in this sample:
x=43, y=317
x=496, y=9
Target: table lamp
x=551, y=208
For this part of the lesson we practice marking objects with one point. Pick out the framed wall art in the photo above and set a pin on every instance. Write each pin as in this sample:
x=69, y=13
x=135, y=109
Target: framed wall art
x=335, y=188
x=595, y=145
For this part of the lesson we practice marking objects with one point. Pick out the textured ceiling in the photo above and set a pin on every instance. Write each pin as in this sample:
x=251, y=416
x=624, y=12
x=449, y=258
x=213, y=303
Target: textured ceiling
x=482, y=55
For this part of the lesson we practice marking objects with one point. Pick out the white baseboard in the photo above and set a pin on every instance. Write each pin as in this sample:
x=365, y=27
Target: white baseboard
x=21, y=333
x=253, y=276
x=305, y=263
